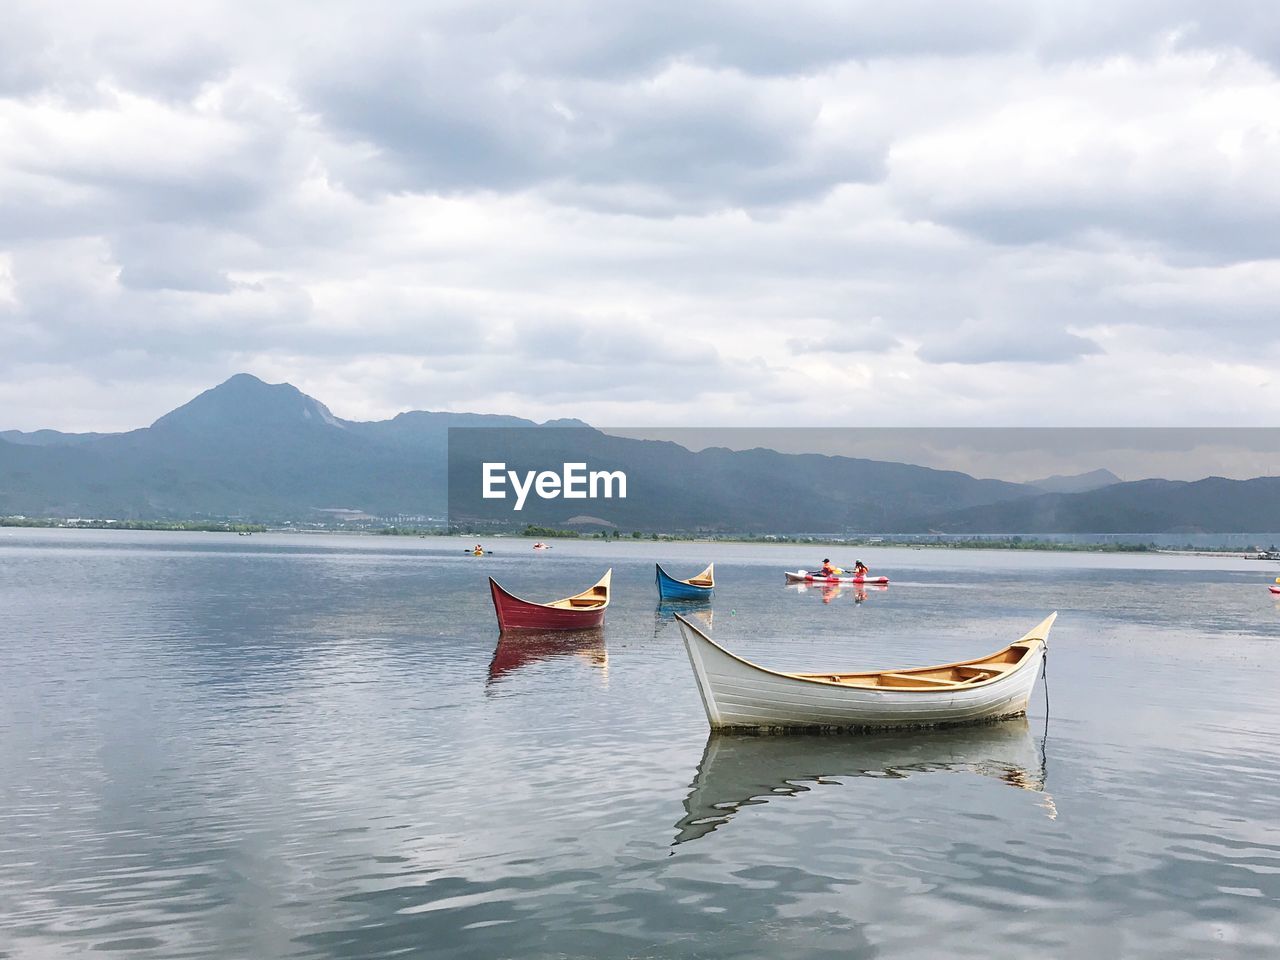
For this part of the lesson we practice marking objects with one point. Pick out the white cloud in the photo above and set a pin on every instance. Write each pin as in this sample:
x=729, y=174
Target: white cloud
x=1176, y=150
x=665, y=214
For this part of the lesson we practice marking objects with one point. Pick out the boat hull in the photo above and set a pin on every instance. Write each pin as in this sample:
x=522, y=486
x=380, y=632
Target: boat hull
x=818, y=578
x=669, y=588
x=517, y=614
x=1274, y=589
x=739, y=695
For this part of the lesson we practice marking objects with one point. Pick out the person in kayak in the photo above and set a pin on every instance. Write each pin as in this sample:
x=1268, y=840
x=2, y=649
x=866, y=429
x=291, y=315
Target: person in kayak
x=827, y=569
x=860, y=569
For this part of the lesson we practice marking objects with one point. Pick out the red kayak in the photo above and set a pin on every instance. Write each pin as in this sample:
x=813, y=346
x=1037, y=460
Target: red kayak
x=1273, y=588
x=801, y=576
x=582, y=611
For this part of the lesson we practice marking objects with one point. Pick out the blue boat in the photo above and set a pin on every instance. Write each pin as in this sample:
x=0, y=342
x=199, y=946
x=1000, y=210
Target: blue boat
x=698, y=587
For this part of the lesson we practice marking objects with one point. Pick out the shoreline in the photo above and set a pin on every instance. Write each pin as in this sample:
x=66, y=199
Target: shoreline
x=1010, y=542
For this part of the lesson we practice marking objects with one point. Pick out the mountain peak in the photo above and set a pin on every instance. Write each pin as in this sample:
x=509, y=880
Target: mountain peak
x=1077, y=482
x=247, y=381
x=244, y=401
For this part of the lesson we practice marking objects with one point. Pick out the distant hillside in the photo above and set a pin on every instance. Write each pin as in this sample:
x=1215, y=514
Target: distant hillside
x=263, y=451
x=47, y=438
x=716, y=490
x=242, y=449
x=1212, y=505
x=1075, y=483
x=256, y=451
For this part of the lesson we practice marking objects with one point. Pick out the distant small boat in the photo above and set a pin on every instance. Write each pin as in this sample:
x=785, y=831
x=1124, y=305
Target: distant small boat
x=542, y=546
x=1273, y=588
x=698, y=587
x=803, y=576
x=581, y=611
x=737, y=694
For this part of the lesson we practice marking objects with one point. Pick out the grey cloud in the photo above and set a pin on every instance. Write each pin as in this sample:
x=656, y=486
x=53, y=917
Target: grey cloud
x=736, y=132
x=1100, y=28
x=254, y=155
x=1197, y=229
x=977, y=343
x=174, y=274
x=689, y=139
x=169, y=305
x=71, y=51
x=573, y=38
x=169, y=258
x=26, y=62
x=851, y=337
x=608, y=344
x=775, y=39
x=758, y=37
x=730, y=145
x=170, y=68
x=222, y=190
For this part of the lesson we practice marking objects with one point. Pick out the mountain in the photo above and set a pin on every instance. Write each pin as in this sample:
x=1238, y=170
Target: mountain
x=1212, y=505
x=1076, y=482
x=253, y=450
x=47, y=438
x=245, y=403
x=713, y=490
x=244, y=448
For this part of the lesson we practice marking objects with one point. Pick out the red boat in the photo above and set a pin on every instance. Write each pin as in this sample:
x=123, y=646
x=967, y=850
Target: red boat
x=1273, y=588
x=582, y=611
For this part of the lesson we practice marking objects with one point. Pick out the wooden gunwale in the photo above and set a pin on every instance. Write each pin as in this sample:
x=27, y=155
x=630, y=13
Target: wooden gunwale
x=832, y=678
x=595, y=597
x=579, y=611
x=704, y=580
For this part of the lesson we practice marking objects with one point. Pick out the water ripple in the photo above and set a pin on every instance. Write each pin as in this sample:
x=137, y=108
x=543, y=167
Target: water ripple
x=320, y=749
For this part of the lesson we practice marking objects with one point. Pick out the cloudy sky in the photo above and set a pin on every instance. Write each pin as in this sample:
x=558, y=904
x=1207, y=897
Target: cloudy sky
x=1015, y=213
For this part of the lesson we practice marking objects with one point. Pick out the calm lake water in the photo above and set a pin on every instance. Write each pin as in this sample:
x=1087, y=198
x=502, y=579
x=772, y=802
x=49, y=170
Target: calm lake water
x=296, y=746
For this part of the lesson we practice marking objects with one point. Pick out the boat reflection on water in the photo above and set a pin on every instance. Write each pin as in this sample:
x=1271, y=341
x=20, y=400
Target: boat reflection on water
x=524, y=647
x=833, y=591
x=693, y=610
x=740, y=770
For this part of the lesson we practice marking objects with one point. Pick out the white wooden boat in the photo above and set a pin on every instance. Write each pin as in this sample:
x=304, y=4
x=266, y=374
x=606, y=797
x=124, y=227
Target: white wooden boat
x=738, y=694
